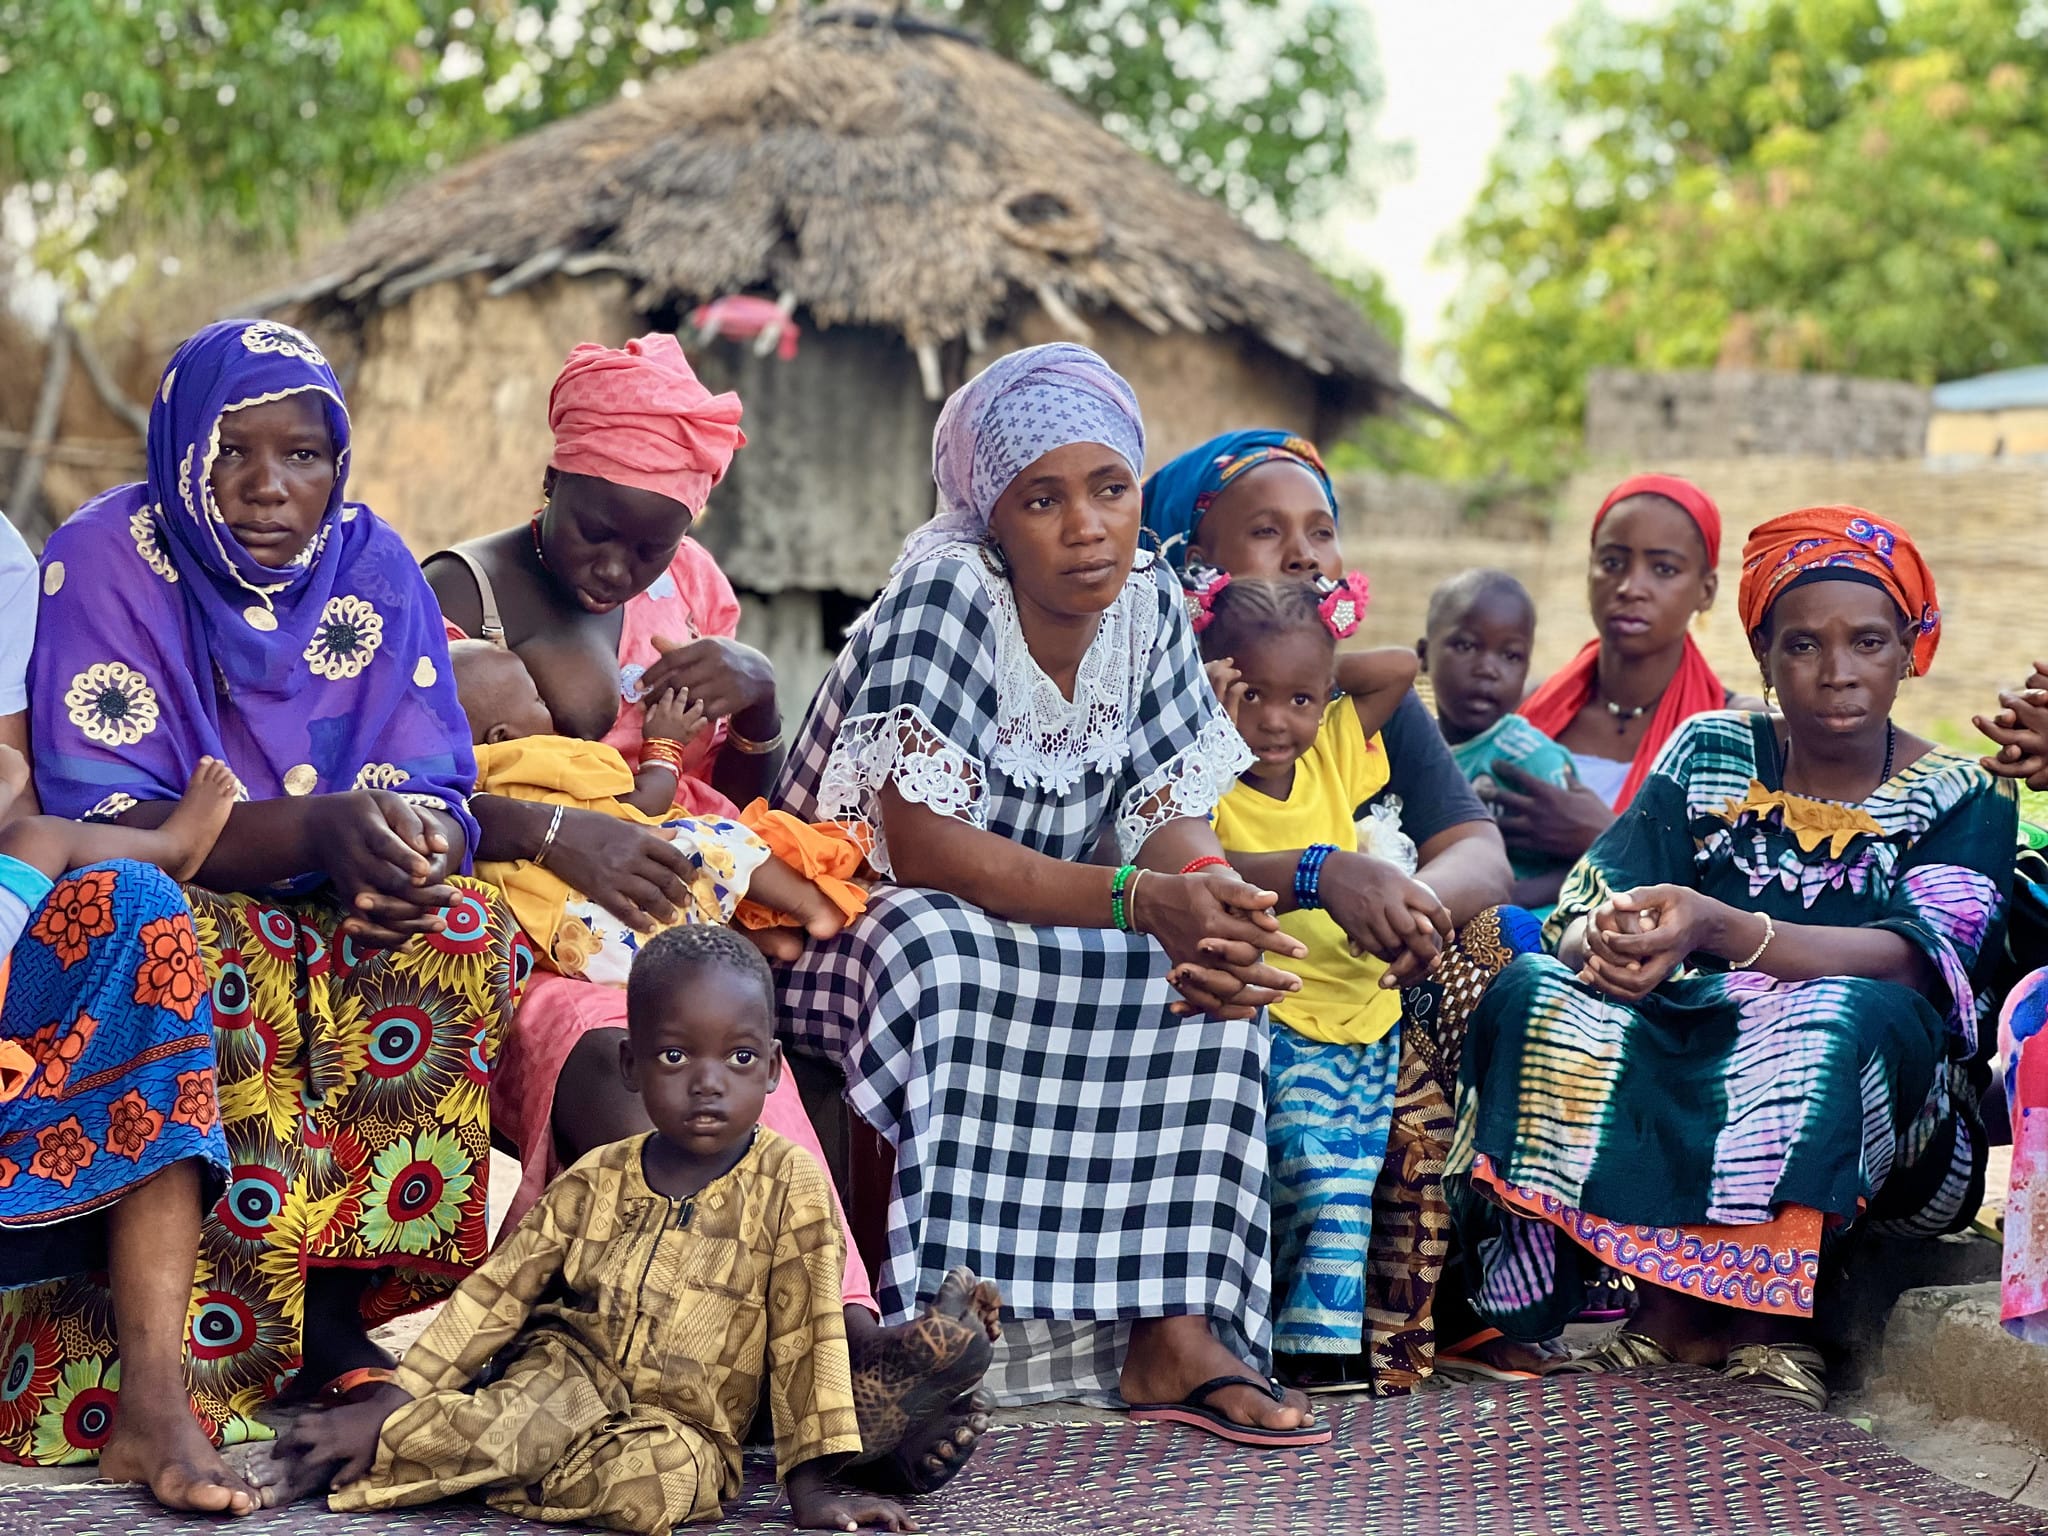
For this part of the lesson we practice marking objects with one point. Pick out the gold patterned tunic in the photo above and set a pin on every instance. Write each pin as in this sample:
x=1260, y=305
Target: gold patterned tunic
x=639, y=1330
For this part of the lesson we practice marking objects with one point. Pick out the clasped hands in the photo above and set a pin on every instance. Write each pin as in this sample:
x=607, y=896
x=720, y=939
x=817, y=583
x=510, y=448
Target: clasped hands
x=2020, y=731
x=1637, y=939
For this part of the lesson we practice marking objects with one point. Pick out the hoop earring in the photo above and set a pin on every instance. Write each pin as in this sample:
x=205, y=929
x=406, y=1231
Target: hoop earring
x=1771, y=699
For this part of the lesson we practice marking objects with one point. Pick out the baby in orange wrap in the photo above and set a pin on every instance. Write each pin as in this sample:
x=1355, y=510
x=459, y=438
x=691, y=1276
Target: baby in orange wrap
x=765, y=870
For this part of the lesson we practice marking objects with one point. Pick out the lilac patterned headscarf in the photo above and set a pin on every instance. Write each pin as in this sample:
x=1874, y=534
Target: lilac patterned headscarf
x=161, y=640
x=1018, y=409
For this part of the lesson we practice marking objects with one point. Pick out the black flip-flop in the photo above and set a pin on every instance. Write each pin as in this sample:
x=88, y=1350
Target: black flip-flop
x=1194, y=1412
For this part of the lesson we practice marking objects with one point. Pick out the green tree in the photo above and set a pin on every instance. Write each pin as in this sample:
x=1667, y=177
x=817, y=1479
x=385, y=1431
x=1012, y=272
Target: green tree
x=251, y=111
x=1837, y=185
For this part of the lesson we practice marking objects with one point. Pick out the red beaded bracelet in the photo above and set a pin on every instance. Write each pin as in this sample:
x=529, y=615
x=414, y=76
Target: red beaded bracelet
x=1206, y=861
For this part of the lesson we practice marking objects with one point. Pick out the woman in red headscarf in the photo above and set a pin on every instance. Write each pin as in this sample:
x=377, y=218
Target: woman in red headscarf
x=1762, y=1015
x=608, y=601
x=1656, y=542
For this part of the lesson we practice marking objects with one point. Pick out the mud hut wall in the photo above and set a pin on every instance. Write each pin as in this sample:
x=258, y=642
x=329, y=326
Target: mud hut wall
x=837, y=468
x=449, y=400
x=1979, y=527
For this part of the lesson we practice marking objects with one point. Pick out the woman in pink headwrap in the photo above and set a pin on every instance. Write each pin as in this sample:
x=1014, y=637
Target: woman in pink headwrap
x=608, y=601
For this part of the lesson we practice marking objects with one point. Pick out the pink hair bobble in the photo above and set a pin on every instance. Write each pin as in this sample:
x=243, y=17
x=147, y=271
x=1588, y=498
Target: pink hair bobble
x=1343, y=605
x=1204, y=585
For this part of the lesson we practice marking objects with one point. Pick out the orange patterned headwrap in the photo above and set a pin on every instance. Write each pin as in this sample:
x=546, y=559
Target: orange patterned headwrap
x=636, y=415
x=1846, y=540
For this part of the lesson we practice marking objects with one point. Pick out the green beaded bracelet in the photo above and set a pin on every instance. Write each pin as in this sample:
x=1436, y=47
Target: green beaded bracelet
x=1119, y=913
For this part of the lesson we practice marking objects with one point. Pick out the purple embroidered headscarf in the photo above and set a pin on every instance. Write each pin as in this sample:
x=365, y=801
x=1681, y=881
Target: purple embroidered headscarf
x=161, y=640
x=1014, y=412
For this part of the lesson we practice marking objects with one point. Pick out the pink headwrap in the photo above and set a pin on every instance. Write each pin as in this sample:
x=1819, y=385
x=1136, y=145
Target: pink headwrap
x=637, y=416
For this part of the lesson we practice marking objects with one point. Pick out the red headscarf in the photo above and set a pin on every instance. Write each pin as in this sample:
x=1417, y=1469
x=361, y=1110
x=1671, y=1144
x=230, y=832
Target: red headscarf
x=637, y=416
x=1695, y=689
x=1846, y=539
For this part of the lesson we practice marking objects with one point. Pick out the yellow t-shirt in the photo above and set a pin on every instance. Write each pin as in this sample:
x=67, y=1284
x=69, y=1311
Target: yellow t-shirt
x=1340, y=1001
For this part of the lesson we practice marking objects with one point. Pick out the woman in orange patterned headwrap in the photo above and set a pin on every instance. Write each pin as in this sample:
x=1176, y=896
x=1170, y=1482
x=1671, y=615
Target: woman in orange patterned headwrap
x=1759, y=1022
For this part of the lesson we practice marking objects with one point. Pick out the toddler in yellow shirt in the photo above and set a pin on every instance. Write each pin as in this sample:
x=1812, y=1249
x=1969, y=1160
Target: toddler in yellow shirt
x=1336, y=1047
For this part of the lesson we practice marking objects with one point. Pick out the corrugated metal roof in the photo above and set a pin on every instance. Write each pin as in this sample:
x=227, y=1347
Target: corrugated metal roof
x=2014, y=389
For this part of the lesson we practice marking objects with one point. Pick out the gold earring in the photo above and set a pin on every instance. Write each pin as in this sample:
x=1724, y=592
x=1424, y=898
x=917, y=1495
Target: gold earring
x=1771, y=698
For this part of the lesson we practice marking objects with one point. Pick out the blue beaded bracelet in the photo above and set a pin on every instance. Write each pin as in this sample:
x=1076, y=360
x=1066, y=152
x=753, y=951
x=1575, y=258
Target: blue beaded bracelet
x=1308, y=876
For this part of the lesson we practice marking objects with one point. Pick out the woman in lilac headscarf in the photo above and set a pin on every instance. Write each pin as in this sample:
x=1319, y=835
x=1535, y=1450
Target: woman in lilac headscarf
x=1065, y=1056
x=235, y=605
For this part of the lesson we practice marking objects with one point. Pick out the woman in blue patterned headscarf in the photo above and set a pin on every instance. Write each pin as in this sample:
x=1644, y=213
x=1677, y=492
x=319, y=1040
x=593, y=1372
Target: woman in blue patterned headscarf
x=235, y=605
x=1020, y=1023
x=1179, y=496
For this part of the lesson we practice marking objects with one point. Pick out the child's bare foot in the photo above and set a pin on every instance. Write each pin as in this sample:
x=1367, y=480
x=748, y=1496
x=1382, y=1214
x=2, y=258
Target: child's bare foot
x=326, y=1448
x=816, y=913
x=188, y=833
x=912, y=1386
x=173, y=1456
x=13, y=778
x=779, y=946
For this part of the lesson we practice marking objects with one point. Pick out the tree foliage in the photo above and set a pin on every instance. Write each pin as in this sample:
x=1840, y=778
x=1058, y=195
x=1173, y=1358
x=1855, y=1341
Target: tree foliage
x=250, y=111
x=1837, y=185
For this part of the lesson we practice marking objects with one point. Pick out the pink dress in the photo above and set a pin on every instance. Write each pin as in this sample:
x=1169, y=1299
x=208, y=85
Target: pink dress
x=691, y=599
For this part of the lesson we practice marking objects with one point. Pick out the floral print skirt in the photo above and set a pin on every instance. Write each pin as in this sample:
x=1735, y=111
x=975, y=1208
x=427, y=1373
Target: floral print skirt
x=354, y=1100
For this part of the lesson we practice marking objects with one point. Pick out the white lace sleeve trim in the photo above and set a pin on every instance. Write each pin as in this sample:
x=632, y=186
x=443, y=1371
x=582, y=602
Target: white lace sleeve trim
x=901, y=747
x=1189, y=785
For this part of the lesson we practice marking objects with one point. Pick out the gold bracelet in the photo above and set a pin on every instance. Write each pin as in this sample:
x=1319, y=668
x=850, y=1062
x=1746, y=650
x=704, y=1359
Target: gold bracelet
x=1770, y=933
x=742, y=744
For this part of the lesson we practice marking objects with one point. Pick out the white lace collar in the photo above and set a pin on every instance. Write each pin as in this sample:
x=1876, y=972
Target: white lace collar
x=1042, y=738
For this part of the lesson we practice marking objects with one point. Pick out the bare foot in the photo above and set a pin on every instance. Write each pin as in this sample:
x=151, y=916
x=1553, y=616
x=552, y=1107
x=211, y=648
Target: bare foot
x=187, y=834
x=173, y=1456
x=13, y=777
x=1171, y=1356
x=817, y=914
x=326, y=1448
x=780, y=946
x=911, y=1384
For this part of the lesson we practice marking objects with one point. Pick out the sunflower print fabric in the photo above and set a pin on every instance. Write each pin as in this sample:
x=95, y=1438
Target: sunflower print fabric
x=353, y=1093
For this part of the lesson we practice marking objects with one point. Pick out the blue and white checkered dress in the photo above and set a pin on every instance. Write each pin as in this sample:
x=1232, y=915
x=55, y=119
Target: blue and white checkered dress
x=1056, y=1128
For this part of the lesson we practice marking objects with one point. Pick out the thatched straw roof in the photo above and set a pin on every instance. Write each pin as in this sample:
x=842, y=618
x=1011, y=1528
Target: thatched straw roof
x=876, y=172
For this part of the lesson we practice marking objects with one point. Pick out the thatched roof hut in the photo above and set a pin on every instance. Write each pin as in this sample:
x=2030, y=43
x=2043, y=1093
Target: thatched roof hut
x=920, y=205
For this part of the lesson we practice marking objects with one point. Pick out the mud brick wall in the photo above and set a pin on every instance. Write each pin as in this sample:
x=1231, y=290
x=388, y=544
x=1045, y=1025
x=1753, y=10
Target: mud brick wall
x=1654, y=418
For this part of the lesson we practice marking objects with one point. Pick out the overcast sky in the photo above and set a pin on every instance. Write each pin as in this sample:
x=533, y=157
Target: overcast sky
x=1446, y=66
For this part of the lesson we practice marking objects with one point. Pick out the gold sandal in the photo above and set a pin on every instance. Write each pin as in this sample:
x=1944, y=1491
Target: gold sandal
x=1791, y=1371
x=1627, y=1350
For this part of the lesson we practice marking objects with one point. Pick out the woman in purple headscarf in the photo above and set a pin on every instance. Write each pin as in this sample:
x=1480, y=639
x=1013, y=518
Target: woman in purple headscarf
x=1066, y=1056
x=235, y=605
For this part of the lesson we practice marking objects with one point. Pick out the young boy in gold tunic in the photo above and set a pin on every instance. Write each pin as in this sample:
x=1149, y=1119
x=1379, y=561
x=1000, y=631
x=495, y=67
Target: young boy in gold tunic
x=631, y=1314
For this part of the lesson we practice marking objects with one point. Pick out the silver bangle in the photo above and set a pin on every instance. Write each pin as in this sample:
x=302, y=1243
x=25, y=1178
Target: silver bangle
x=540, y=855
x=1770, y=933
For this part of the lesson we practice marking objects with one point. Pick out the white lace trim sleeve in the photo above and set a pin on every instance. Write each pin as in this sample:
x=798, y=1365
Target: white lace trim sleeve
x=1187, y=785
x=901, y=747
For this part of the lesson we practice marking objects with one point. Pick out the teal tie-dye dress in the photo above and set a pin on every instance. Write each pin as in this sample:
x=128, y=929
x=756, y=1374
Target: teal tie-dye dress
x=1707, y=1137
